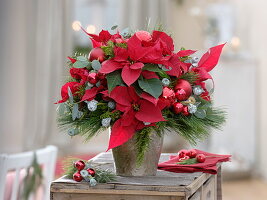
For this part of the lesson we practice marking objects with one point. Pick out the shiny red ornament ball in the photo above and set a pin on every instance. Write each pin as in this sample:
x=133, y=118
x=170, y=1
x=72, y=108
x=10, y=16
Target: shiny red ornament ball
x=93, y=78
x=77, y=177
x=186, y=86
x=168, y=93
x=201, y=158
x=79, y=165
x=192, y=153
x=143, y=36
x=182, y=153
x=91, y=171
x=178, y=107
x=183, y=158
x=97, y=54
x=185, y=111
x=181, y=95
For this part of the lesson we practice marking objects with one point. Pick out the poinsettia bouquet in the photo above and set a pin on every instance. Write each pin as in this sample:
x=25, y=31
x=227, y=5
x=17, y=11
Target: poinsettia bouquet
x=135, y=82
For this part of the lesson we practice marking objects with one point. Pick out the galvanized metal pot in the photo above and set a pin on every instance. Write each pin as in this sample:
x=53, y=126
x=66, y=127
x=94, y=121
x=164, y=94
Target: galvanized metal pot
x=126, y=154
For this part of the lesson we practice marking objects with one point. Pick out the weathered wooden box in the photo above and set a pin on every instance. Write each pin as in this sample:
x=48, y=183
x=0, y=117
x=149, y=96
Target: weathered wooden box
x=164, y=186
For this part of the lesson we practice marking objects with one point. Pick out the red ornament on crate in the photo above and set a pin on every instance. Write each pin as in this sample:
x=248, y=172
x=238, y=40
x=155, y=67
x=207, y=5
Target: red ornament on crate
x=183, y=159
x=79, y=165
x=192, y=153
x=201, y=158
x=182, y=153
x=181, y=95
x=77, y=177
x=97, y=54
x=91, y=171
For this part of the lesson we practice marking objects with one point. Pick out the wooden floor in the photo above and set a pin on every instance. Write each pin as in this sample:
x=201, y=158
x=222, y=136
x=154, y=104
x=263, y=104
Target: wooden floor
x=245, y=190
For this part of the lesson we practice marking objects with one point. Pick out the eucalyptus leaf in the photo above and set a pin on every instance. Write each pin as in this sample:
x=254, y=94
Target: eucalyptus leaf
x=113, y=79
x=200, y=113
x=80, y=64
x=75, y=111
x=96, y=65
x=114, y=27
x=61, y=109
x=152, y=86
x=82, y=58
x=70, y=95
x=151, y=67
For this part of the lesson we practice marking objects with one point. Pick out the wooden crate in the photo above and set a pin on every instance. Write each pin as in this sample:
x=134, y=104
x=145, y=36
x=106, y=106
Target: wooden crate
x=164, y=186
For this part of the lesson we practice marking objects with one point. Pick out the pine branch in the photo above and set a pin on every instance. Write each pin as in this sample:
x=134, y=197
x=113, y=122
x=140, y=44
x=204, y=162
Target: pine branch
x=191, y=77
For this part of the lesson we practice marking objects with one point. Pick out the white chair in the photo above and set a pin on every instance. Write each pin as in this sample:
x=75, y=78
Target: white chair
x=17, y=162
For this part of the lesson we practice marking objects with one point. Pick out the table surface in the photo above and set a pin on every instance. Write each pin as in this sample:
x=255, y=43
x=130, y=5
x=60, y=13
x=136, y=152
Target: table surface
x=164, y=181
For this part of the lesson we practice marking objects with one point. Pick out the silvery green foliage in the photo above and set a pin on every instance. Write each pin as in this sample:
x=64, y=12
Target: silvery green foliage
x=97, y=84
x=89, y=86
x=70, y=95
x=93, y=182
x=146, y=123
x=111, y=104
x=192, y=108
x=92, y=105
x=106, y=122
x=73, y=132
x=197, y=90
x=75, y=111
x=84, y=173
x=62, y=109
x=96, y=65
x=165, y=82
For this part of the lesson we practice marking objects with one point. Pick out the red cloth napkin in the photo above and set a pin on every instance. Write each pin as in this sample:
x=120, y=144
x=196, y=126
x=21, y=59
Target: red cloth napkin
x=209, y=166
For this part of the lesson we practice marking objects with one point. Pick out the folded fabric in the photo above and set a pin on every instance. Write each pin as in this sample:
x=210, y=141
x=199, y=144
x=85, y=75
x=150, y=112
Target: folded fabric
x=209, y=166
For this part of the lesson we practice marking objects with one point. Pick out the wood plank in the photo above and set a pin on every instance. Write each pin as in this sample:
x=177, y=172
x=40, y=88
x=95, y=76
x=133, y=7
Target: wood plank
x=68, y=196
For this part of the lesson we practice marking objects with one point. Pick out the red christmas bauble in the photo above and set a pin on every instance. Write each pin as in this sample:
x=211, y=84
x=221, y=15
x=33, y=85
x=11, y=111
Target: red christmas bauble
x=181, y=95
x=77, y=177
x=91, y=171
x=182, y=153
x=192, y=153
x=97, y=54
x=178, y=107
x=185, y=85
x=168, y=93
x=79, y=165
x=92, y=78
x=143, y=36
x=201, y=158
x=185, y=111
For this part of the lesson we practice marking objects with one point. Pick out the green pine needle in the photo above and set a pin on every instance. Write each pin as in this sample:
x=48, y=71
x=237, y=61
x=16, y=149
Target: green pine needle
x=190, y=161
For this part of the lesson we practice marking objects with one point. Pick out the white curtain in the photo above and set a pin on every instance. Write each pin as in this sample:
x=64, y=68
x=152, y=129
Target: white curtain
x=35, y=38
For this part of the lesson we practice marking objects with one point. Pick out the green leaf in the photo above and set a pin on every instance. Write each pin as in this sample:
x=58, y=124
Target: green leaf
x=163, y=74
x=190, y=161
x=114, y=79
x=200, y=113
x=75, y=111
x=80, y=64
x=152, y=86
x=70, y=95
x=82, y=58
x=152, y=68
x=96, y=65
x=114, y=27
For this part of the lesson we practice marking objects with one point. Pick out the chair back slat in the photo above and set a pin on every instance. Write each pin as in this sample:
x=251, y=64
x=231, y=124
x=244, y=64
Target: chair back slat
x=46, y=157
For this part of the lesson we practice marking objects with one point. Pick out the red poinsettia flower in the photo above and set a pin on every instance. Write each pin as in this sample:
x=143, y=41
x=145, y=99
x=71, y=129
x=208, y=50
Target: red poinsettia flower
x=136, y=111
x=79, y=74
x=74, y=87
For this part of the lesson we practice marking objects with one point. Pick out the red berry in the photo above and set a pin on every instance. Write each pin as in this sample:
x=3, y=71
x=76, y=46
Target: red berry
x=77, y=177
x=184, y=158
x=192, y=153
x=185, y=111
x=91, y=171
x=201, y=158
x=79, y=165
x=181, y=95
x=97, y=54
x=182, y=153
x=178, y=107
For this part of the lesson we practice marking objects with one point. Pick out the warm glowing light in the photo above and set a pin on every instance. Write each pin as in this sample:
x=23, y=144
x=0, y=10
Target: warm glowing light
x=76, y=25
x=235, y=41
x=91, y=29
